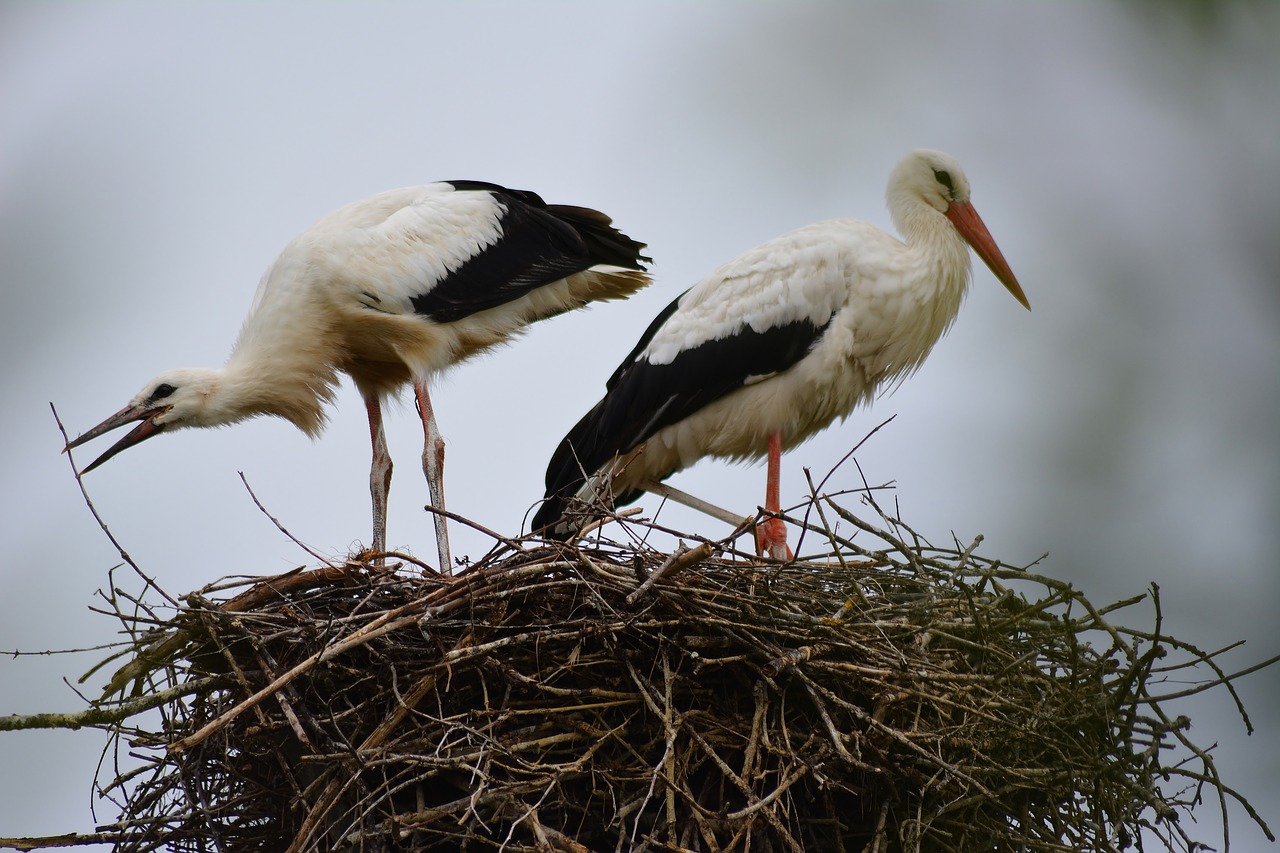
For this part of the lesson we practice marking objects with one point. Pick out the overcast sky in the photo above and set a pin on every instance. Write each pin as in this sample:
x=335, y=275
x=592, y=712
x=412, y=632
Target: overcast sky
x=154, y=158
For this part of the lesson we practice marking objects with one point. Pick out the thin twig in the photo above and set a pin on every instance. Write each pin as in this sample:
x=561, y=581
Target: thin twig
x=295, y=540
x=124, y=555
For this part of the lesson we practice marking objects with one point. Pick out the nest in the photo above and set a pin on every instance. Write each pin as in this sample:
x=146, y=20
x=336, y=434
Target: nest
x=885, y=695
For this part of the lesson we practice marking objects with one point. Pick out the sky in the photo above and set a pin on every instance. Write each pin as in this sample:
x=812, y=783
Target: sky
x=154, y=158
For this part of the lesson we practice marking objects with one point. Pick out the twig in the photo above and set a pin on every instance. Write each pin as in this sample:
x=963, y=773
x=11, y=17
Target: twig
x=295, y=540
x=618, y=515
x=22, y=653
x=682, y=559
x=696, y=503
x=124, y=555
x=853, y=450
x=513, y=544
x=1223, y=679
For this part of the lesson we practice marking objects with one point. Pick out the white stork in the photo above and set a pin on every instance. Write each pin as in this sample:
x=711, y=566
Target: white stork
x=776, y=344
x=389, y=290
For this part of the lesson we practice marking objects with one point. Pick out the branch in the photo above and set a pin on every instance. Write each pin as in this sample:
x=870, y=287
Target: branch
x=100, y=715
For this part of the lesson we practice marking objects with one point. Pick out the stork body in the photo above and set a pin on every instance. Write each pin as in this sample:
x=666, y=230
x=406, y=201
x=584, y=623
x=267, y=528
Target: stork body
x=391, y=290
x=777, y=344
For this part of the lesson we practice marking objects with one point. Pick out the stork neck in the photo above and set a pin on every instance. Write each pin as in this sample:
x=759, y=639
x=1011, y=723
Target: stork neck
x=940, y=252
x=922, y=225
x=271, y=383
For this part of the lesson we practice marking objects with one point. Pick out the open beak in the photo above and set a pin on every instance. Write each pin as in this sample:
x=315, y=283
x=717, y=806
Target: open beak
x=967, y=221
x=137, y=435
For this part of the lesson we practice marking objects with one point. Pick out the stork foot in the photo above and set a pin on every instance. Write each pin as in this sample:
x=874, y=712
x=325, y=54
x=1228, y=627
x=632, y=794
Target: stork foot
x=771, y=539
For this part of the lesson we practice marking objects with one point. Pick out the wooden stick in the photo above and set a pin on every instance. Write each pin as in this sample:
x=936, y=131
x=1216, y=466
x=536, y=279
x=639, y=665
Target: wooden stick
x=681, y=559
x=674, y=494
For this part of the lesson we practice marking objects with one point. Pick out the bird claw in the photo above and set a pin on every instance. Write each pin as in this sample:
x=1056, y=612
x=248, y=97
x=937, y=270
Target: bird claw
x=771, y=539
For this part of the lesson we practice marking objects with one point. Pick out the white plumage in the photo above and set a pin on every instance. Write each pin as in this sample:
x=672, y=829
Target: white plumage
x=389, y=290
x=777, y=344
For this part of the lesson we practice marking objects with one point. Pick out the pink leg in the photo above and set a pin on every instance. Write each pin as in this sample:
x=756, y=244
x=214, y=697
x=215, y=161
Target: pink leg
x=433, y=467
x=379, y=473
x=771, y=534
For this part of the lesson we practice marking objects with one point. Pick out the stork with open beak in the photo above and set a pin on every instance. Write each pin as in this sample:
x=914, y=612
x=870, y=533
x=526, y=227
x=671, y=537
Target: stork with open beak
x=392, y=290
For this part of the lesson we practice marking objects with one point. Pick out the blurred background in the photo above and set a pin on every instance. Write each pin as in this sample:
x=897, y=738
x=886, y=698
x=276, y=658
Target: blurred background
x=154, y=158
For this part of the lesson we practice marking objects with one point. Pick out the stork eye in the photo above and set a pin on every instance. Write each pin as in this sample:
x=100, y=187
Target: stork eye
x=162, y=391
x=944, y=178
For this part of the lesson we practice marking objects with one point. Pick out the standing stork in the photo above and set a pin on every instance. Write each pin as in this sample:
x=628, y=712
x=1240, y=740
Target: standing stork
x=776, y=344
x=389, y=290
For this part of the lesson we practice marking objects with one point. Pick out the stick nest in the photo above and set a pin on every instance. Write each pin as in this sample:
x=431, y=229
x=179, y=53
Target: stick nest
x=885, y=695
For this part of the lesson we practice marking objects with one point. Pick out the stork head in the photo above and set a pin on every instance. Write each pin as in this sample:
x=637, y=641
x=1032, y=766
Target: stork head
x=176, y=398
x=929, y=176
x=936, y=180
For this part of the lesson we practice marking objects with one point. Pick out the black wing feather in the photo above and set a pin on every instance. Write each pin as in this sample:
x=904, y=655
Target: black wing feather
x=540, y=244
x=643, y=397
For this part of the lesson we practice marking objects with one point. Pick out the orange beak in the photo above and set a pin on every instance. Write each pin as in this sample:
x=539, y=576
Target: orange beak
x=975, y=233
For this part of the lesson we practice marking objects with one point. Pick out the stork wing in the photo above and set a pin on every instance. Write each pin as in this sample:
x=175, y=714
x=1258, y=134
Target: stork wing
x=537, y=244
x=461, y=247
x=751, y=319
